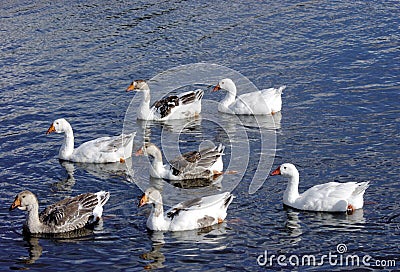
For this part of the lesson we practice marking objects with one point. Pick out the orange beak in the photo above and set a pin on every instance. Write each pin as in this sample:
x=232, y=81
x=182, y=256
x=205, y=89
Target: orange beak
x=15, y=204
x=51, y=129
x=277, y=171
x=131, y=87
x=217, y=88
x=143, y=201
x=139, y=152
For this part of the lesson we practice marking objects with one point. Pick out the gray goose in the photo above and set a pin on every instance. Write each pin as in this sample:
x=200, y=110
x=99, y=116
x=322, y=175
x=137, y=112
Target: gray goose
x=203, y=164
x=69, y=214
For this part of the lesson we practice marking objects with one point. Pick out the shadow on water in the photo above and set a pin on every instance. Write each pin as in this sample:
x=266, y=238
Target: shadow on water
x=35, y=249
x=298, y=224
x=339, y=121
x=212, y=236
x=98, y=170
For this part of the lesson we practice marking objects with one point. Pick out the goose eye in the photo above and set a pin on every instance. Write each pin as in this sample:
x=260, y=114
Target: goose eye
x=23, y=196
x=284, y=167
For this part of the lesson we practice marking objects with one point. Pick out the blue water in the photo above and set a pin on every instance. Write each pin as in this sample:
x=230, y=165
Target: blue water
x=339, y=122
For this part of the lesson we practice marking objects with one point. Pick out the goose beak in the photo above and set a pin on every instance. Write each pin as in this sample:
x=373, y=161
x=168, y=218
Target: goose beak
x=131, y=87
x=277, y=171
x=51, y=129
x=139, y=152
x=16, y=204
x=143, y=201
x=217, y=88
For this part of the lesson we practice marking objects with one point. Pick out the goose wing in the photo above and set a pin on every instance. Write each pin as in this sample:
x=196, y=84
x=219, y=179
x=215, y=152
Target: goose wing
x=164, y=106
x=199, y=212
x=196, y=161
x=108, y=144
x=73, y=213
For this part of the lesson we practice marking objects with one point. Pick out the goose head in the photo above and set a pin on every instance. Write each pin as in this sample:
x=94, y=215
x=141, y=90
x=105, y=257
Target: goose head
x=59, y=126
x=24, y=201
x=286, y=170
x=138, y=85
x=149, y=149
x=150, y=196
x=227, y=85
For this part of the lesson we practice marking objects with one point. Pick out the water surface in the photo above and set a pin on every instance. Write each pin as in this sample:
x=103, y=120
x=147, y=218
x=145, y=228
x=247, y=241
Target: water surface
x=340, y=122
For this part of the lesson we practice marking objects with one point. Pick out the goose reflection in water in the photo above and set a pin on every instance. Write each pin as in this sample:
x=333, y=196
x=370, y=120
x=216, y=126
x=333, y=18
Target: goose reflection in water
x=214, y=235
x=198, y=183
x=270, y=122
x=68, y=182
x=101, y=171
x=35, y=250
x=155, y=257
x=190, y=126
x=294, y=226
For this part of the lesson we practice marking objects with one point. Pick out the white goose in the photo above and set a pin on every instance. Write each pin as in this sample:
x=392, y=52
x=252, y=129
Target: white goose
x=328, y=197
x=100, y=150
x=192, y=214
x=66, y=215
x=268, y=101
x=181, y=106
x=205, y=163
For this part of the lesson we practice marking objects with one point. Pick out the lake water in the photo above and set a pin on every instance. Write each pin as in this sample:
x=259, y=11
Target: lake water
x=339, y=122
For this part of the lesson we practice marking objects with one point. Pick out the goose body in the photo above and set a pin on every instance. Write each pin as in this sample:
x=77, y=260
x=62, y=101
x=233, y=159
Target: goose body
x=192, y=214
x=205, y=163
x=268, y=101
x=100, y=150
x=327, y=197
x=180, y=106
x=66, y=215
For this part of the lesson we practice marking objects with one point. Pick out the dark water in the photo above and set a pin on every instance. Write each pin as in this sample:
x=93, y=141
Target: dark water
x=340, y=122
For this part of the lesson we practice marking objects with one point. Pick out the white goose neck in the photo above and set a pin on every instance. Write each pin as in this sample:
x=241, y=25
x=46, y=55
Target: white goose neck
x=157, y=167
x=229, y=98
x=144, y=107
x=156, y=220
x=291, y=193
x=67, y=148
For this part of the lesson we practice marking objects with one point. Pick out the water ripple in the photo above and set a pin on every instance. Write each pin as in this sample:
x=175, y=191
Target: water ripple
x=339, y=123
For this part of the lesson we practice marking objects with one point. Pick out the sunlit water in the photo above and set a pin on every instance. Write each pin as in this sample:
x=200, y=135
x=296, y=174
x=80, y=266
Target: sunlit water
x=340, y=122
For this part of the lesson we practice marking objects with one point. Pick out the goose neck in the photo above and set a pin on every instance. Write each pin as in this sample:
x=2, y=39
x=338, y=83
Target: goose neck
x=292, y=190
x=144, y=107
x=33, y=222
x=67, y=147
x=230, y=96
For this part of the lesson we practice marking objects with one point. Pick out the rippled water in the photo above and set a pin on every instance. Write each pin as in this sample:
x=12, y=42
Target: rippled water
x=340, y=122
